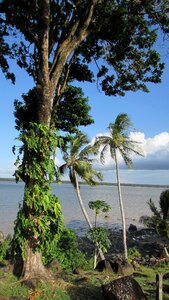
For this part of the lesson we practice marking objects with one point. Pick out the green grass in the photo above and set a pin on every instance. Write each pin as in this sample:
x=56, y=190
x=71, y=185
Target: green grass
x=148, y=283
x=68, y=286
x=11, y=286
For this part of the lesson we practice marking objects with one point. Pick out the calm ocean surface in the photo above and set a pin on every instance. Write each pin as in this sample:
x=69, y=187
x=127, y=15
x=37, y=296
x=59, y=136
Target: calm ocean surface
x=135, y=202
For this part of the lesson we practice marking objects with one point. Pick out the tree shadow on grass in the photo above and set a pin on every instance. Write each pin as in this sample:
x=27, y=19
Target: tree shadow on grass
x=85, y=286
x=85, y=291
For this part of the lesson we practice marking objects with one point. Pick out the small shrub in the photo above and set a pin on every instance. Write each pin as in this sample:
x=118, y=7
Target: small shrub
x=66, y=252
x=100, y=236
x=5, y=247
x=160, y=218
x=133, y=253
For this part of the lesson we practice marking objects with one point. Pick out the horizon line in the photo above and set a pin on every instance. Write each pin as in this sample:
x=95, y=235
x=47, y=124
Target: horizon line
x=99, y=183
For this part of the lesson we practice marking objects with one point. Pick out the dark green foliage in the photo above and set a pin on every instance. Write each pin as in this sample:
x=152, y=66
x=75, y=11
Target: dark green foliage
x=5, y=248
x=164, y=204
x=160, y=218
x=72, y=111
x=5, y=52
x=67, y=252
x=25, y=111
x=120, y=40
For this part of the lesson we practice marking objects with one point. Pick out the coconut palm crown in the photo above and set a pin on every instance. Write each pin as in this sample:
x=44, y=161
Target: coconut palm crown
x=118, y=139
x=77, y=160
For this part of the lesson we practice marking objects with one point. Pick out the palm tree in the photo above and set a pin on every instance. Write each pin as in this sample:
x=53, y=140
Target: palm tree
x=118, y=141
x=77, y=161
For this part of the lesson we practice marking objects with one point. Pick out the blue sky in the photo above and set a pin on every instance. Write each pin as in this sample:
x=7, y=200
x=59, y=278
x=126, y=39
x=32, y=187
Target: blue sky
x=148, y=112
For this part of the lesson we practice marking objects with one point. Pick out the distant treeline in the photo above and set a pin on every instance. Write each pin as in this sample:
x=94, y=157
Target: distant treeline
x=106, y=183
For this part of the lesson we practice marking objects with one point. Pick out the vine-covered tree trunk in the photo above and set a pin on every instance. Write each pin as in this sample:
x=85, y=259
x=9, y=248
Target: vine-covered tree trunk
x=39, y=221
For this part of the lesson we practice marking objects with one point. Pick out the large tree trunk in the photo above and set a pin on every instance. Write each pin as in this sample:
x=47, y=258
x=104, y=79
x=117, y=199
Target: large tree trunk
x=47, y=82
x=121, y=208
x=77, y=189
x=33, y=266
x=32, y=263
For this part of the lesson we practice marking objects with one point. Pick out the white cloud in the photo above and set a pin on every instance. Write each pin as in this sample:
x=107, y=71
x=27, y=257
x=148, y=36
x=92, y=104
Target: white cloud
x=156, y=158
x=155, y=149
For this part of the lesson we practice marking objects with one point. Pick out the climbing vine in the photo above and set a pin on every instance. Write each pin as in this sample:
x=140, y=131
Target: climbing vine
x=39, y=220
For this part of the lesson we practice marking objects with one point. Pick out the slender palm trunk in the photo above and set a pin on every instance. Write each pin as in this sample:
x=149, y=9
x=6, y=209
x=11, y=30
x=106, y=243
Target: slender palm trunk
x=77, y=189
x=121, y=208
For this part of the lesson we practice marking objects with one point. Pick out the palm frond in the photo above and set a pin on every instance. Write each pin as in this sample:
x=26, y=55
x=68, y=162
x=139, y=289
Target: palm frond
x=86, y=151
x=132, y=146
x=125, y=155
x=112, y=152
x=66, y=156
x=154, y=209
x=121, y=124
x=93, y=177
x=87, y=173
x=84, y=158
x=77, y=142
x=148, y=221
x=103, y=153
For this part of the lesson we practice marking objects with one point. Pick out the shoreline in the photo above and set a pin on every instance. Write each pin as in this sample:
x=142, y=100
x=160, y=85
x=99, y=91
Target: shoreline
x=81, y=231
x=3, y=179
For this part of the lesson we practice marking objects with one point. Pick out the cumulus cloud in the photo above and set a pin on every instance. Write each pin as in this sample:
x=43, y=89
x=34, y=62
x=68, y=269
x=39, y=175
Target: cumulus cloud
x=155, y=149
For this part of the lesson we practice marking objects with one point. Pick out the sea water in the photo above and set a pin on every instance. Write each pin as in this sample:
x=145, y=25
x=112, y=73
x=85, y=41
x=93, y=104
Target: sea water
x=135, y=203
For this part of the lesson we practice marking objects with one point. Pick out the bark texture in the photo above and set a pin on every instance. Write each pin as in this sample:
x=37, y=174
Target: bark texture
x=33, y=266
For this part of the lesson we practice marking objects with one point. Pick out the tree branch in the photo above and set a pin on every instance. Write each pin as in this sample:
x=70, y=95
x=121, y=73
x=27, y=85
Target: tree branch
x=79, y=31
x=61, y=89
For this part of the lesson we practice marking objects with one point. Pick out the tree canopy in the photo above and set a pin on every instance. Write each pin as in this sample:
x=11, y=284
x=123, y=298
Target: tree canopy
x=117, y=35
